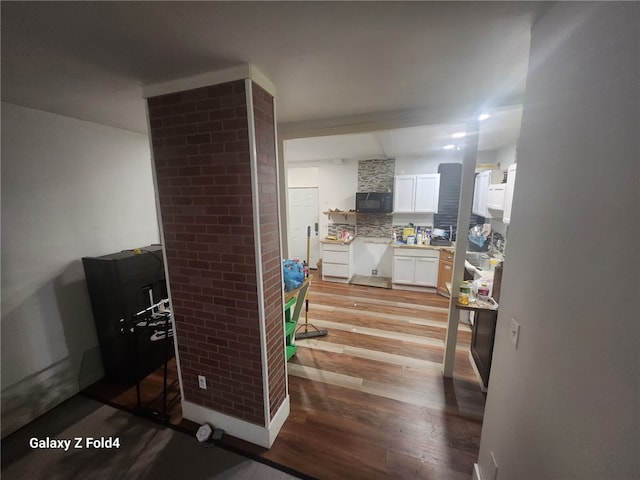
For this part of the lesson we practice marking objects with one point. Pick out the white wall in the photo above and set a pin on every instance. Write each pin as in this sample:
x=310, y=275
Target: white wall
x=426, y=164
x=337, y=184
x=565, y=404
x=69, y=189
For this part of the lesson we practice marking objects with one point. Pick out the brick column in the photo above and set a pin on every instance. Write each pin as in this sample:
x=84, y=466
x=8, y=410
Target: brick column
x=216, y=176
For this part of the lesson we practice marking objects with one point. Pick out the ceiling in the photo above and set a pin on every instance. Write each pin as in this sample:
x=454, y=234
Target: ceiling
x=328, y=60
x=501, y=129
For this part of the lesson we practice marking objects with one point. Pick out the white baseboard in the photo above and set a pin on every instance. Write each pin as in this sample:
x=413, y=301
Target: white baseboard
x=278, y=420
x=476, y=472
x=235, y=427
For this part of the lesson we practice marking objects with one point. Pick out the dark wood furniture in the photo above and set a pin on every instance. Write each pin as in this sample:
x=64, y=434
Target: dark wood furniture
x=120, y=286
x=445, y=271
x=483, y=335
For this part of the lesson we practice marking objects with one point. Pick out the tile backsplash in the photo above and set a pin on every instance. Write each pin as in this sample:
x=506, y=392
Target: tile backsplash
x=374, y=225
x=498, y=242
x=376, y=175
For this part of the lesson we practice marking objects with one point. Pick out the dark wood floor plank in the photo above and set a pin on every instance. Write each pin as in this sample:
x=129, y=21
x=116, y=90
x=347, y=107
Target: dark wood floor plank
x=405, y=421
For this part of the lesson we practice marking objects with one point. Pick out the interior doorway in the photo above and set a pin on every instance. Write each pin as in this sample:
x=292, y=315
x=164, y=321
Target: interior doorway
x=303, y=212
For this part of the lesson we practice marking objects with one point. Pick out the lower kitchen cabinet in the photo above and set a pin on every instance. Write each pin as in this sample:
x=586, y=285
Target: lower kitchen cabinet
x=415, y=267
x=337, y=262
x=445, y=272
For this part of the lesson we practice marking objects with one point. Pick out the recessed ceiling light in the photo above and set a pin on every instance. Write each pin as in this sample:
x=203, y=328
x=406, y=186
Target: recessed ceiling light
x=449, y=147
x=483, y=116
x=459, y=135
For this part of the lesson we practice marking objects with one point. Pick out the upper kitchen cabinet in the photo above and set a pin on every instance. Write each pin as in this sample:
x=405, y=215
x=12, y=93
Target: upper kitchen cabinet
x=481, y=194
x=508, y=193
x=486, y=193
x=416, y=193
x=496, y=196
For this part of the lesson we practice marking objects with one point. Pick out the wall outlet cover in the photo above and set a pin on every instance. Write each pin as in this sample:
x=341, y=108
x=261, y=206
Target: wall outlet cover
x=202, y=382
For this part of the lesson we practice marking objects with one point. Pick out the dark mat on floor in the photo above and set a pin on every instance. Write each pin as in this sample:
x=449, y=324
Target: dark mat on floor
x=144, y=449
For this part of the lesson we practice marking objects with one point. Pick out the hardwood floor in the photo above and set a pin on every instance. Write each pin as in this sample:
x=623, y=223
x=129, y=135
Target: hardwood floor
x=368, y=400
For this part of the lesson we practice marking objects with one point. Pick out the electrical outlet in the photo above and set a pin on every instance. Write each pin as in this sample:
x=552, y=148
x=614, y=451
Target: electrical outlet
x=515, y=333
x=374, y=271
x=202, y=382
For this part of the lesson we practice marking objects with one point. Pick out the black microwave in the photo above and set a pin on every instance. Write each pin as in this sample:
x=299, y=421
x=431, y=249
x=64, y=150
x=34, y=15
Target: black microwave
x=374, y=202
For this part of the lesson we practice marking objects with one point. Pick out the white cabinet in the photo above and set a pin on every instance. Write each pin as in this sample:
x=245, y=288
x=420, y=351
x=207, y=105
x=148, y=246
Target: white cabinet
x=415, y=267
x=404, y=269
x=496, y=196
x=404, y=192
x=481, y=194
x=416, y=193
x=426, y=273
x=508, y=193
x=337, y=262
x=427, y=193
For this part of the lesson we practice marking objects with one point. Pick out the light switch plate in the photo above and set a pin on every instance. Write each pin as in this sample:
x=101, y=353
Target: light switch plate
x=202, y=382
x=515, y=333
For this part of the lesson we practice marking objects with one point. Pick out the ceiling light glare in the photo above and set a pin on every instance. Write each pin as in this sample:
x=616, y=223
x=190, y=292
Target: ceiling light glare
x=483, y=116
x=459, y=135
x=449, y=147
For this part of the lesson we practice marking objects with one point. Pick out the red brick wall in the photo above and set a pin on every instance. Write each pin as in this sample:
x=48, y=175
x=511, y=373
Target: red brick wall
x=270, y=244
x=201, y=152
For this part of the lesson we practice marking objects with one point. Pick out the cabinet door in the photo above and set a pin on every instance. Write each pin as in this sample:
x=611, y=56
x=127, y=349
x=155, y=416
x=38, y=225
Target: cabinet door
x=426, y=272
x=508, y=193
x=427, y=193
x=335, y=270
x=403, y=270
x=445, y=274
x=496, y=196
x=331, y=256
x=404, y=190
x=481, y=194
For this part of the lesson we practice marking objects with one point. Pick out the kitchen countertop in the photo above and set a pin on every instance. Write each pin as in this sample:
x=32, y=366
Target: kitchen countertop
x=449, y=248
x=337, y=242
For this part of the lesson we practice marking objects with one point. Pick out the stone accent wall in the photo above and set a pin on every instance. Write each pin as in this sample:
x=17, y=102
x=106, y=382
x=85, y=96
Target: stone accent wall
x=376, y=175
x=375, y=225
x=201, y=150
x=270, y=244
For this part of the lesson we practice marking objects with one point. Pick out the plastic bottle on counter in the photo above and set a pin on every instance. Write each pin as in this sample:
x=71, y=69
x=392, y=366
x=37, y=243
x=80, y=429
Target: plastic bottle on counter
x=465, y=293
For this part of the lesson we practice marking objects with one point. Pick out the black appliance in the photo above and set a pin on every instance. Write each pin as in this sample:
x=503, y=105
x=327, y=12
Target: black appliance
x=374, y=202
x=121, y=285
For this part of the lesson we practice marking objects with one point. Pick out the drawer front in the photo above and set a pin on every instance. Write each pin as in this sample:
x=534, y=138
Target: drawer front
x=335, y=257
x=334, y=247
x=415, y=252
x=446, y=256
x=335, y=270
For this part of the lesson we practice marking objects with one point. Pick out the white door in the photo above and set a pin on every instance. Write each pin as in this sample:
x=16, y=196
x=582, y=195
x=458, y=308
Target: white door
x=303, y=212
